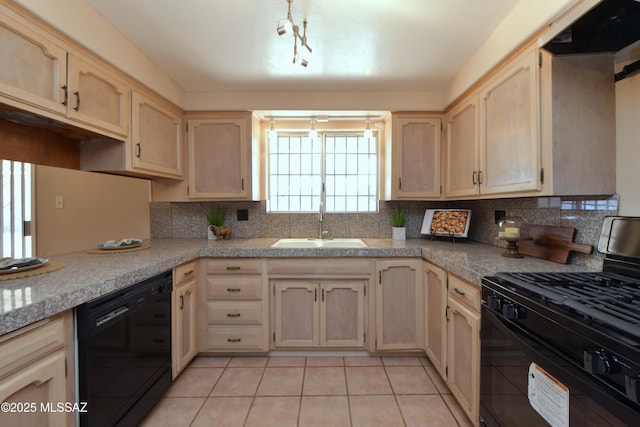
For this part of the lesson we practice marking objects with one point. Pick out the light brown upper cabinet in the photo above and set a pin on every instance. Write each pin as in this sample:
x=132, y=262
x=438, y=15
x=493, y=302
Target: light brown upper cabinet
x=509, y=128
x=220, y=157
x=33, y=70
x=156, y=137
x=539, y=125
x=493, y=142
x=462, y=164
x=41, y=74
x=97, y=97
x=413, y=157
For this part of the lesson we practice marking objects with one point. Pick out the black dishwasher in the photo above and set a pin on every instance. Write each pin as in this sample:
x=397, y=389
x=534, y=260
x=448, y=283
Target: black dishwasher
x=124, y=352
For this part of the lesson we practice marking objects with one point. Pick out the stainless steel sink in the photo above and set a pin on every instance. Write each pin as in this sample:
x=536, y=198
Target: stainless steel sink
x=319, y=243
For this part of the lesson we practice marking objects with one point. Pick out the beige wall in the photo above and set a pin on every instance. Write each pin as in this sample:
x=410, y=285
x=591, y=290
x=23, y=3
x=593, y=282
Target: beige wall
x=628, y=134
x=96, y=208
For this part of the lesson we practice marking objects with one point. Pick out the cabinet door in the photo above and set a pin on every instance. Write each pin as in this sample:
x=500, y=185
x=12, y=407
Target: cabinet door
x=464, y=358
x=509, y=128
x=97, y=98
x=156, y=138
x=398, y=305
x=416, y=158
x=462, y=149
x=296, y=313
x=435, y=319
x=33, y=70
x=219, y=156
x=42, y=381
x=185, y=348
x=342, y=314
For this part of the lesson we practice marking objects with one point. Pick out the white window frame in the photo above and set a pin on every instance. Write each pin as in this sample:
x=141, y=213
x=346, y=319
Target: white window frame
x=16, y=215
x=319, y=187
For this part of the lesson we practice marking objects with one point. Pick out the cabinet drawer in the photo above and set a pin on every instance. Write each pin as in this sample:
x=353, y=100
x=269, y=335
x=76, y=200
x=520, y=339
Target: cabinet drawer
x=234, y=312
x=235, y=337
x=234, y=266
x=184, y=272
x=234, y=288
x=465, y=292
x=25, y=345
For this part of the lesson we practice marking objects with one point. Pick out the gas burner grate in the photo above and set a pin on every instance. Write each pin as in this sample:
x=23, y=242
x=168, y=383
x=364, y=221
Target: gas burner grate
x=609, y=298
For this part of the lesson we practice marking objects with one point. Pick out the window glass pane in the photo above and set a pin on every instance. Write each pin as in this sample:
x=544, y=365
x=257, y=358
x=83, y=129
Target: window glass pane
x=294, y=164
x=296, y=173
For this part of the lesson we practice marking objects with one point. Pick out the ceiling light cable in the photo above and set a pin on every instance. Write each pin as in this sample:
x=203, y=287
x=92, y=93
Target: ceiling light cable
x=287, y=25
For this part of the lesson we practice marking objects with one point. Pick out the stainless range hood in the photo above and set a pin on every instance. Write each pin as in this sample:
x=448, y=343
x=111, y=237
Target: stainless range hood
x=608, y=27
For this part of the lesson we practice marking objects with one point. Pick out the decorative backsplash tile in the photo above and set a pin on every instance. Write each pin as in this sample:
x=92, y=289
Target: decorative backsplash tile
x=188, y=219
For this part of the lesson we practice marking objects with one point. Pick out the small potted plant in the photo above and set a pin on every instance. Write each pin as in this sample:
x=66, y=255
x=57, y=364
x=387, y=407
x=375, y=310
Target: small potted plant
x=216, y=229
x=398, y=220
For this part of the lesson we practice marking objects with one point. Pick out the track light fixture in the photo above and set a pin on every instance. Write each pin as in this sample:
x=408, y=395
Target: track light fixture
x=273, y=134
x=368, y=133
x=313, y=133
x=287, y=25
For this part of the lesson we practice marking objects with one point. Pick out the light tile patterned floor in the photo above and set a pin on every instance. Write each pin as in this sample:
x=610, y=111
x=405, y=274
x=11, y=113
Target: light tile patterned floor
x=308, y=392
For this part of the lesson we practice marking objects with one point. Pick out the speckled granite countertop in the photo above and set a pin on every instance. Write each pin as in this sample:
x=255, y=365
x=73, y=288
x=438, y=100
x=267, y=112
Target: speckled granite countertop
x=88, y=276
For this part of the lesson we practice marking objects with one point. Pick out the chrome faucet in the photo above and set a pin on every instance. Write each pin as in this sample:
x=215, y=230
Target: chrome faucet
x=321, y=232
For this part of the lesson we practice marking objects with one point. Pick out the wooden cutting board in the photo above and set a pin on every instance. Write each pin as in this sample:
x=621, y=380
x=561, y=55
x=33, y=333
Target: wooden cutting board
x=551, y=242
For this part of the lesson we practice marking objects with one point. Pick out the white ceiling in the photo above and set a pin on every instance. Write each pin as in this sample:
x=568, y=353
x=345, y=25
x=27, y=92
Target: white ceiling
x=212, y=45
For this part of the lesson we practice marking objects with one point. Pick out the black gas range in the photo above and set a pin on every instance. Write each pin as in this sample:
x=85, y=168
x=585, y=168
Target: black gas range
x=563, y=349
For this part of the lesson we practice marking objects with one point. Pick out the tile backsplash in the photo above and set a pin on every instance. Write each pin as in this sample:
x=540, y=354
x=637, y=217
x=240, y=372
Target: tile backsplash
x=585, y=213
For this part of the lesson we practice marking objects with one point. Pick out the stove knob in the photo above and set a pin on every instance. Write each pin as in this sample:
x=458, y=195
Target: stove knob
x=598, y=363
x=513, y=312
x=494, y=302
x=632, y=386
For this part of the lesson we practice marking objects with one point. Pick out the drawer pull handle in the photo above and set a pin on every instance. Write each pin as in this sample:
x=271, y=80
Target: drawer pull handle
x=234, y=339
x=458, y=291
x=188, y=273
x=233, y=314
x=233, y=289
x=233, y=268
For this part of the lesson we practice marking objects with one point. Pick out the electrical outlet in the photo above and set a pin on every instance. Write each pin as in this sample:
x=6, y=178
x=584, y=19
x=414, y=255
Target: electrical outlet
x=242, y=214
x=59, y=202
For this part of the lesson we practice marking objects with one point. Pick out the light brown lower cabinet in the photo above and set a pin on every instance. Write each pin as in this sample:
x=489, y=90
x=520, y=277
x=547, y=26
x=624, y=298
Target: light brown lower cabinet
x=435, y=319
x=399, y=305
x=463, y=349
x=184, y=324
x=312, y=313
x=234, y=311
x=36, y=372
